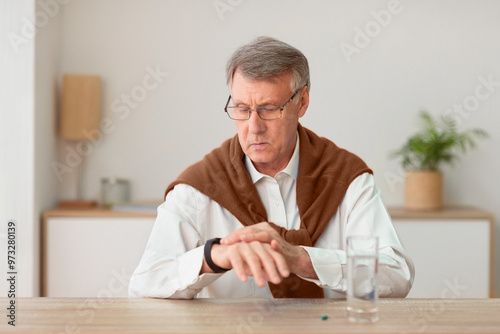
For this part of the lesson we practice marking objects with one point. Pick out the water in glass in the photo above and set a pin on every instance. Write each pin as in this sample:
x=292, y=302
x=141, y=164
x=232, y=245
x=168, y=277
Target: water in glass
x=362, y=294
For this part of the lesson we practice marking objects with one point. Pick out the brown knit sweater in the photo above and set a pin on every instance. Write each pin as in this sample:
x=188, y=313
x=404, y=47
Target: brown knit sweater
x=325, y=173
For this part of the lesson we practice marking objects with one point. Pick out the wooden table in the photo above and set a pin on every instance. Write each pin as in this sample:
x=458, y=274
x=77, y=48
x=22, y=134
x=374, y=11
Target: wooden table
x=128, y=315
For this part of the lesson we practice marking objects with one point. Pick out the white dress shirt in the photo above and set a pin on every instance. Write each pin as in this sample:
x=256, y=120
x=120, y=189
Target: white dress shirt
x=170, y=266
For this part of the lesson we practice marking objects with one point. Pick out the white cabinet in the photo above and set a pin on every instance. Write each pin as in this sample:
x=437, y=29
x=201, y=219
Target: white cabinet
x=452, y=250
x=91, y=253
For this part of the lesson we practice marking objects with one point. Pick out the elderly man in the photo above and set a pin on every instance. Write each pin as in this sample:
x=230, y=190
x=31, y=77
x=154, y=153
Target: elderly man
x=267, y=213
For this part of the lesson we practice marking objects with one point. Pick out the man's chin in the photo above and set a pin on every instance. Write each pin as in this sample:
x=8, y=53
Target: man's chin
x=258, y=158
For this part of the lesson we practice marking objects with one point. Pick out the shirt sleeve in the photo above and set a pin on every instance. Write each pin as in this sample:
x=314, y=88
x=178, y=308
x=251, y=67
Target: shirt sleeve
x=172, y=260
x=362, y=212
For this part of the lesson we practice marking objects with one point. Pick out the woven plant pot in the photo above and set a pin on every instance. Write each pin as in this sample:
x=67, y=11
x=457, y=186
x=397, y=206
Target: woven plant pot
x=423, y=190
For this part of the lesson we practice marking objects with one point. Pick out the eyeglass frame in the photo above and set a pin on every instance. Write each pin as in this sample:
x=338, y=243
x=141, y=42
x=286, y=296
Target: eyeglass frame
x=257, y=109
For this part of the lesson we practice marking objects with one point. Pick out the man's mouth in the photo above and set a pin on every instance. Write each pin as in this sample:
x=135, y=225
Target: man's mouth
x=258, y=145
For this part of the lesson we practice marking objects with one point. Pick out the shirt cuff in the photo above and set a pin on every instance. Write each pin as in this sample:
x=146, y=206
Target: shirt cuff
x=190, y=264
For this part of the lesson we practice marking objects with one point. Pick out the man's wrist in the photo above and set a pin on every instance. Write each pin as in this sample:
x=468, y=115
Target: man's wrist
x=302, y=265
x=208, y=256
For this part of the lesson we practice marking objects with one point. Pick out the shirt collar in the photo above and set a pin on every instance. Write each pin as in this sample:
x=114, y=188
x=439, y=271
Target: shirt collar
x=291, y=169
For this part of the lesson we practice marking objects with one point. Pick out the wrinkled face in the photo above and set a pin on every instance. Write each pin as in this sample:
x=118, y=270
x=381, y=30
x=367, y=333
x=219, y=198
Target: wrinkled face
x=268, y=143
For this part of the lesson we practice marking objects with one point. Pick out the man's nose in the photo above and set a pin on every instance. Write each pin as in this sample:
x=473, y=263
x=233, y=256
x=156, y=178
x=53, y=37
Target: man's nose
x=255, y=123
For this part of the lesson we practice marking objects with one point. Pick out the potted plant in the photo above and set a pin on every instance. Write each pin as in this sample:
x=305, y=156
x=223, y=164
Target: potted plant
x=437, y=143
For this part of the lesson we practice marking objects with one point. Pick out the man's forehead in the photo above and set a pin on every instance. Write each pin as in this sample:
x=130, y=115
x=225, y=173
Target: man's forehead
x=261, y=95
x=241, y=82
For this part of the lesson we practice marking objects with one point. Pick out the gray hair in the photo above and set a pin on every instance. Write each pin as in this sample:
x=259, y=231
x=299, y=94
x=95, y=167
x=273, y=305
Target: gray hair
x=266, y=57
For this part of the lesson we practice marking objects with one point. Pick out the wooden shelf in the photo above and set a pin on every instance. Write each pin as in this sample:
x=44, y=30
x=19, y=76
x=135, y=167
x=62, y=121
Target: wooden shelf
x=451, y=212
x=94, y=212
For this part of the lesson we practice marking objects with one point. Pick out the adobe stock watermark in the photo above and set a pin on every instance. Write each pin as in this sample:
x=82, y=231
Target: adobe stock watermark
x=470, y=103
x=394, y=179
x=249, y=322
x=122, y=107
x=459, y=112
x=47, y=9
x=87, y=311
x=373, y=28
x=421, y=319
x=252, y=320
x=223, y=6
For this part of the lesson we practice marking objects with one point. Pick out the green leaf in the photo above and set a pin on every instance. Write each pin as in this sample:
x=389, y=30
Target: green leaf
x=438, y=142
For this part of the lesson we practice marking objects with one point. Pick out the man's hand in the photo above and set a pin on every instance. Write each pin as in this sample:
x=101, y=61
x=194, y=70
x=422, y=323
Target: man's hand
x=255, y=259
x=296, y=258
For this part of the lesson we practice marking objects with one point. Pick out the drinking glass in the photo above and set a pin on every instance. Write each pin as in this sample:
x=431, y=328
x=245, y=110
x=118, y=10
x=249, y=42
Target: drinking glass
x=362, y=288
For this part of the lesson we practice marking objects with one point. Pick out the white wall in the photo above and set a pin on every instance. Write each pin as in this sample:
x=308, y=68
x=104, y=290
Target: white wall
x=47, y=60
x=17, y=145
x=27, y=141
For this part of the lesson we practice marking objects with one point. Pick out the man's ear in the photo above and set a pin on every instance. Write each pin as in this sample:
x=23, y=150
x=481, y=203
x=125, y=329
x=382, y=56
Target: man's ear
x=304, y=101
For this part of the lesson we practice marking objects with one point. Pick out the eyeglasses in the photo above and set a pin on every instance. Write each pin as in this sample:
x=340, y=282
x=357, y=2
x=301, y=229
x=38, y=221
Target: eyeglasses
x=264, y=112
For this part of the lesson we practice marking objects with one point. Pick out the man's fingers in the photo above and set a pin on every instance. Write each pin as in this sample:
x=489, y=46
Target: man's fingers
x=258, y=260
x=247, y=235
x=246, y=262
x=261, y=236
x=254, y=263
x=268, y=263
x=238, y=265
x=262, y=232
x=280, y=262
x=235, y=237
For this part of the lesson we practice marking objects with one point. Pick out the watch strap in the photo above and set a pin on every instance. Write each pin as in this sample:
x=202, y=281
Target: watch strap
x=208, y=256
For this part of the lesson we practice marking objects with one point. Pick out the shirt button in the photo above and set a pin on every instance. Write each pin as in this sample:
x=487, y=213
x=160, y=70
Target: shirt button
x=277, y=203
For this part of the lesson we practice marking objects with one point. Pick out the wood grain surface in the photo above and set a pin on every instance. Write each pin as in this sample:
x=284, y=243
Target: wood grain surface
x=146, y=315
